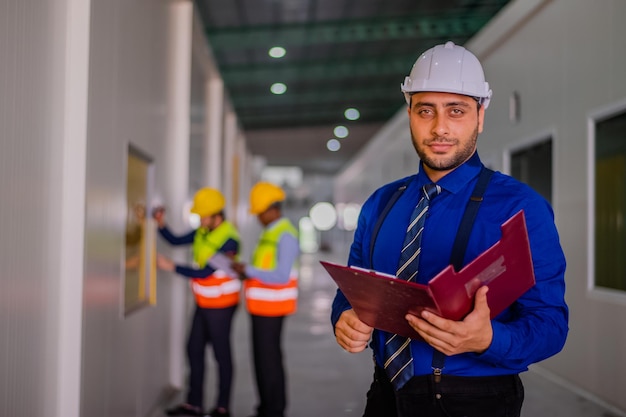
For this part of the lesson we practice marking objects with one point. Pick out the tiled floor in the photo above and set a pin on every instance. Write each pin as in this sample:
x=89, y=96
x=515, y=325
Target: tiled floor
x=325, y=381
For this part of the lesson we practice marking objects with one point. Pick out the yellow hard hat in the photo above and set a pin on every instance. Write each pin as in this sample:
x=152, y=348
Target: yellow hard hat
x=207, y=202
x=263, y=195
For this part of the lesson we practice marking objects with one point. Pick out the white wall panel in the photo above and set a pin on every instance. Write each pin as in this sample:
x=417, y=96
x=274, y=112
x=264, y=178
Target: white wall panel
x=125, y=359
x=29, y=138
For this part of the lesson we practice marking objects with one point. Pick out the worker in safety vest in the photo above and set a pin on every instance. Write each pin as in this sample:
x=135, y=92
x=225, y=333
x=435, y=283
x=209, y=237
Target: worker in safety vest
x=271, y=292
x=216, y=294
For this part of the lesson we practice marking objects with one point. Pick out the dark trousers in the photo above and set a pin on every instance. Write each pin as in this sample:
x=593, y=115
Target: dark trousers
x=210, y=326
x=268, y=365
x=453, y=396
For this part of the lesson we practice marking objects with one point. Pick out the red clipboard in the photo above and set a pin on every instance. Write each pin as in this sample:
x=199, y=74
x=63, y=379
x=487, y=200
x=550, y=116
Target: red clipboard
x=382, y=301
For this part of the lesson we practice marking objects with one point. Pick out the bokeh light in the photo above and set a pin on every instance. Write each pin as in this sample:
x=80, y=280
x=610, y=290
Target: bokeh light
x=323, y=215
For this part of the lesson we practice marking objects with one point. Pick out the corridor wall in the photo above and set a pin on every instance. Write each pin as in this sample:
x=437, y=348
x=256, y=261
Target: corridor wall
x=81, y=81
x=44, y=54
x=125, y=358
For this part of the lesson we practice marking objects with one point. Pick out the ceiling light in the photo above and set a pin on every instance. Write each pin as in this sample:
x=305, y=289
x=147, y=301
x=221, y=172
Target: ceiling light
x=341, y=132
x=277, y=52
x=333, y=145
x=352, y=114
x=278, y=88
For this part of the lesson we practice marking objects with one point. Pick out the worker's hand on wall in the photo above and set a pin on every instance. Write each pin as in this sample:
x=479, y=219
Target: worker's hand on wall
x=165, y=263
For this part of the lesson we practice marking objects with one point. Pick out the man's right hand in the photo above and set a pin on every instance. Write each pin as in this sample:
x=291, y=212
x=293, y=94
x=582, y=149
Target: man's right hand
x=158, y=213
x=351, y=333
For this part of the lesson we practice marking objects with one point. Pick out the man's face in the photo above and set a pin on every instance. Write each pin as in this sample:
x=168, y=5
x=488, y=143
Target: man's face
x=208, y=222
x=444, y=129
x=268, y=216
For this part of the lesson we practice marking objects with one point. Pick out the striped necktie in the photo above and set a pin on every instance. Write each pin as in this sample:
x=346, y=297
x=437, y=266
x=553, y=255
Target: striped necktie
x=398, y=359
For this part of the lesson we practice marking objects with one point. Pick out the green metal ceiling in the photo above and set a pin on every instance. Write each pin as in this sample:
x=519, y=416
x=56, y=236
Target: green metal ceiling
x=340, y=53
x=348, y=31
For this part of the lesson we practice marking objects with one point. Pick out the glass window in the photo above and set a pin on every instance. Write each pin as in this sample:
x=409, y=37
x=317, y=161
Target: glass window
x=610, y=202
x=533, y=165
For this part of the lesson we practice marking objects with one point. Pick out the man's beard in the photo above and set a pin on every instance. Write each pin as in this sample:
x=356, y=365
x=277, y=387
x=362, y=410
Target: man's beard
x=448, y=163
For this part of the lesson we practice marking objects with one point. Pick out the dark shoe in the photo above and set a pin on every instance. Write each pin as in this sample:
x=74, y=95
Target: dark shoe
x=185, y=410
x=219, y=412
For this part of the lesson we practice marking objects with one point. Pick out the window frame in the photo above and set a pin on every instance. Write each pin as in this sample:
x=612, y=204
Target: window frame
x=593, y=118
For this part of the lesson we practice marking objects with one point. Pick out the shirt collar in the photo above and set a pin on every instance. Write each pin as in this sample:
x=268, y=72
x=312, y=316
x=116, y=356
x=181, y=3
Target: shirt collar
x=458, y=179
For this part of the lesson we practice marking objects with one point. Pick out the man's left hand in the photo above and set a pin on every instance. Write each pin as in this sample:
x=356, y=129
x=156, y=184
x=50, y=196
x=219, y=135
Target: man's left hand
x=473, y=334
x=240, y=269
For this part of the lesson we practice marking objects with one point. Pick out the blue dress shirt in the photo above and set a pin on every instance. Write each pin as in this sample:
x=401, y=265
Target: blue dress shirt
x=534, y=327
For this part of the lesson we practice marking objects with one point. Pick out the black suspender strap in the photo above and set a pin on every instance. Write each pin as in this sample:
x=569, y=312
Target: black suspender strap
x=471, y=210
x=381, y=218
x=460, y=244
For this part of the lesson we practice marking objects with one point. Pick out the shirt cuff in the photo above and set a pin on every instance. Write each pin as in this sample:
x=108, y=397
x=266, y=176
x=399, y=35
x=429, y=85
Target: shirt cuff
x=249, y=271
x=500, y=344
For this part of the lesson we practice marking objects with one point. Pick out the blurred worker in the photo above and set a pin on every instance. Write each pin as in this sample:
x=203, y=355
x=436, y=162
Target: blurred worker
x=216, y=294
x=271, y=293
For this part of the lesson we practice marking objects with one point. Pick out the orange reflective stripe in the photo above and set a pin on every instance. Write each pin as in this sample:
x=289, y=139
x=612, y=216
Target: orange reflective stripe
x=216, y=292
x=271, y=300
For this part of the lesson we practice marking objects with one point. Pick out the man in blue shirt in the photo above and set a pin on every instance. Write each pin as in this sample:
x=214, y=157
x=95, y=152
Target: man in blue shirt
x=468, y=367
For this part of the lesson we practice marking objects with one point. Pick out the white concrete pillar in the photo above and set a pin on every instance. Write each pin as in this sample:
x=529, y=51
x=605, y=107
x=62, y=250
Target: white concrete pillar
x=240, y=190
x=214, y=107
x=64, y=395
x=229, y=176
x=176, y=165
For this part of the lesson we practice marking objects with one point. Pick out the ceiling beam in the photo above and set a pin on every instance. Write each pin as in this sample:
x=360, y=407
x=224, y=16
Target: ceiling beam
x=258, y=121
x=314, y=96
x=256, y=118
x=331, y=112
x=312, y=71
x=343, y=31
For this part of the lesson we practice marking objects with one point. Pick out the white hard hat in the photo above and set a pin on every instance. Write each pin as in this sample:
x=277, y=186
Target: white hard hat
x=448, y=68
